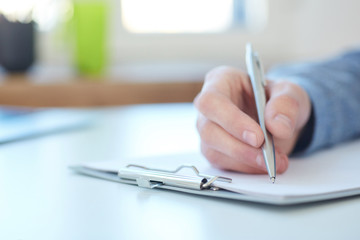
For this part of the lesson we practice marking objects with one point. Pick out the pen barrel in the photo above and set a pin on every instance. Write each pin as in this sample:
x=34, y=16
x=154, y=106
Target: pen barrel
x=268, y=147
x=268, y=150
x=258, y=85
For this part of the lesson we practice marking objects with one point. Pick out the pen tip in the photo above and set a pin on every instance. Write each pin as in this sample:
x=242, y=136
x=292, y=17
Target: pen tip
x=272, y=180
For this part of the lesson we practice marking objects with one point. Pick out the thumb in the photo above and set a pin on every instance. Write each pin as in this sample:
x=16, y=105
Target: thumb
x=287, y=110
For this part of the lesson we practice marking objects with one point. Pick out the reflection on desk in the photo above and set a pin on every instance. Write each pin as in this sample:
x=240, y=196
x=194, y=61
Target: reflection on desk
x=42, y=199
x=18, y=124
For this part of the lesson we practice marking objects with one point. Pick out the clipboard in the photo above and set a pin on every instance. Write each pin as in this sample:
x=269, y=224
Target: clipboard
x=170, y=173
x=181, y=186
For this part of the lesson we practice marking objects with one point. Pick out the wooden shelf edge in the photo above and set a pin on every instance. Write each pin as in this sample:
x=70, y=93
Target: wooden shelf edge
x=88, y=94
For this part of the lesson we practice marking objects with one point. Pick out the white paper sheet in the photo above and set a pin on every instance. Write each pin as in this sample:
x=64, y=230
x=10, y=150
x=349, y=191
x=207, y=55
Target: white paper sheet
x=331, y=171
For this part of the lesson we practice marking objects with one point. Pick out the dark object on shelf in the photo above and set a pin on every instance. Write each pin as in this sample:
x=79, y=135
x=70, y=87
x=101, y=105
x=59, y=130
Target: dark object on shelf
x=17, y=51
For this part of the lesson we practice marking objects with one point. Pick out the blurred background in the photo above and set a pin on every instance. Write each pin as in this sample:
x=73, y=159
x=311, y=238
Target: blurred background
x=64, y=44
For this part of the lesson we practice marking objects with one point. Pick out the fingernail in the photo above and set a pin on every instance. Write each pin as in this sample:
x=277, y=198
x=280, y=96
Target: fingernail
x=283, y=120
x=250, y=138
x=260, y=161
x=282, y=163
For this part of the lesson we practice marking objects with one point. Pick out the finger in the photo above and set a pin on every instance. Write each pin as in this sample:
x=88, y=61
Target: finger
x=228, y=81
x=217, y=138
x=220, y=99
x=222, y=161
x=282, y=161
x=286, y=110
x=226, y=152
x=219, y=109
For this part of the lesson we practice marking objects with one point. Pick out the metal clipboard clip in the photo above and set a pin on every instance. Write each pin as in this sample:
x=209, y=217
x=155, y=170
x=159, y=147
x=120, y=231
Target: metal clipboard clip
x=152, y=178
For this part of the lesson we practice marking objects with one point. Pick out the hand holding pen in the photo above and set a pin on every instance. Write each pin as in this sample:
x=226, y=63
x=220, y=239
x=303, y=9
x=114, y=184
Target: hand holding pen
x=231, y=137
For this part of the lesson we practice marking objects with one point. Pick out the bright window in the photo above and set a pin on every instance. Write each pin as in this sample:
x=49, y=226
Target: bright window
x=46, y=13
x=181, y=16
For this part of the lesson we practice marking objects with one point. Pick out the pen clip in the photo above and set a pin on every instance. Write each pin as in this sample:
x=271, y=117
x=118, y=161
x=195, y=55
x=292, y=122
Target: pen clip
x=260, y=68
x=152, y=178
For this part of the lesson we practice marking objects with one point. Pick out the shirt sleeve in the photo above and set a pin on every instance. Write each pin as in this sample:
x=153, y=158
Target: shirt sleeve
x=334, y=90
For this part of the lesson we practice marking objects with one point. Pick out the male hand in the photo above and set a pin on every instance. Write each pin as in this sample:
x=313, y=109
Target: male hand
x=231, y=137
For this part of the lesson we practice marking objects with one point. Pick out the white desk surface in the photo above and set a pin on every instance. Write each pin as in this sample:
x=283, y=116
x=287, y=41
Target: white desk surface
x=40, y=198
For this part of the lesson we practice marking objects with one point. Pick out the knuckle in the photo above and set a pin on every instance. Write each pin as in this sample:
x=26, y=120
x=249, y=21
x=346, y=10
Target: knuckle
x=220, y=70
x=204, y=129
x=286, y=85
x=210, y=155
x=235, y=152
x=204, y=101
x=288, y=104
x=199, y=123
x=243, y=154
x=224, y=72
x=289, y=87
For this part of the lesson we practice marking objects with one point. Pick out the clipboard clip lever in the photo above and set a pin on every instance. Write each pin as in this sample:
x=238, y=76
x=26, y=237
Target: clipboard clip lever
x=152, y=178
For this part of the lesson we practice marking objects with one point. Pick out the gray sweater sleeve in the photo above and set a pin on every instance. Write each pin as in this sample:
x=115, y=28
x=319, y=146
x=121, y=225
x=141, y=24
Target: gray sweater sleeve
x=334, y=90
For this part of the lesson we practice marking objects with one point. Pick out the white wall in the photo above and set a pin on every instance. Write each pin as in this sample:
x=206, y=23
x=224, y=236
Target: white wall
x=326, y=26
x=296, y=30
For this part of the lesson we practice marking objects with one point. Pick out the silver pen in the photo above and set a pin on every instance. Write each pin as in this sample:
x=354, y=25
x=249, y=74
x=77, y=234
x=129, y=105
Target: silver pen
x=258, y=83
